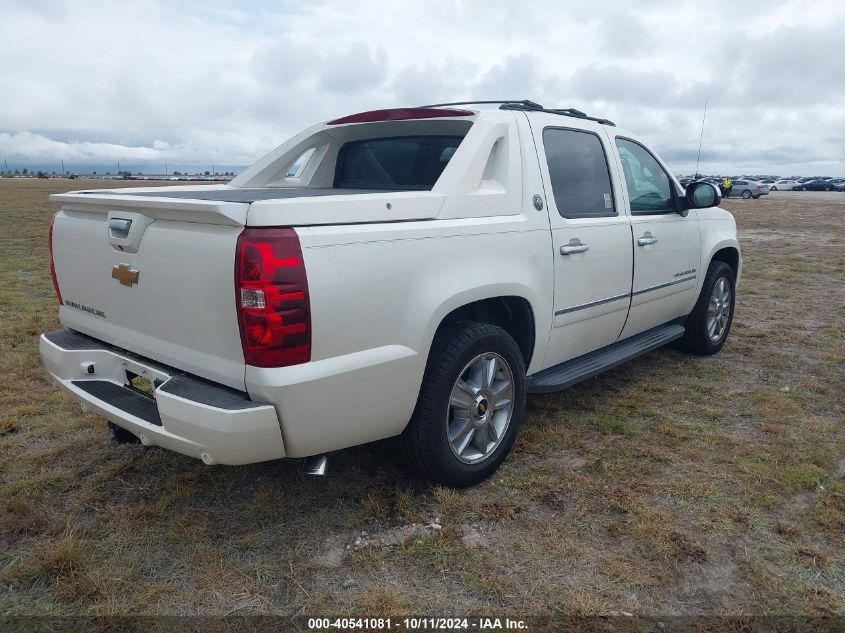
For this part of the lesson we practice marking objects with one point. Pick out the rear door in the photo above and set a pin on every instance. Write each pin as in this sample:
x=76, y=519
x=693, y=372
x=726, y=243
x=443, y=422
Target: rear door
x=591, y=238
x=666, y=244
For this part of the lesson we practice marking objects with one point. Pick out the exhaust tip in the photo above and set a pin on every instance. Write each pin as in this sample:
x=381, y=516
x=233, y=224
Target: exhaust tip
x=317, y=465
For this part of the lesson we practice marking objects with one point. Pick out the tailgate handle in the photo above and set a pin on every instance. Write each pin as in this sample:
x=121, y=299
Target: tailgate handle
x=119, y=228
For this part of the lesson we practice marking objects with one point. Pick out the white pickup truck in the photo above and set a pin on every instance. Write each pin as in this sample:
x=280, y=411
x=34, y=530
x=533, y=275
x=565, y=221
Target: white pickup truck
x=407, y=272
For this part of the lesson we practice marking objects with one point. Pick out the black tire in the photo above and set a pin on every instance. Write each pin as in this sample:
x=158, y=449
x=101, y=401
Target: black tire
x=424, y=442
x=746, y=194
x=773, y=188
x=697, y=338
x=121, y=435
x=755, y=197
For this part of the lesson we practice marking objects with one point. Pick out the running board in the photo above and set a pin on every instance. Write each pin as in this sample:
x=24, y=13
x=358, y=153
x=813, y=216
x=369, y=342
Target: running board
x=586, y=366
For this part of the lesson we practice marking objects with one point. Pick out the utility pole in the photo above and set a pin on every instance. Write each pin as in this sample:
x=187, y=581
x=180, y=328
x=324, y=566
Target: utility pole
x=165, y=169
x=7, y=165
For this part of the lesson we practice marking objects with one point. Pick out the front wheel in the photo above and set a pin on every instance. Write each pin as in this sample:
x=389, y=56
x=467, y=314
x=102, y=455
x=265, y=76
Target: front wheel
x=710, y=321
x=470, y=406
x=773, y=188
x=746, y=194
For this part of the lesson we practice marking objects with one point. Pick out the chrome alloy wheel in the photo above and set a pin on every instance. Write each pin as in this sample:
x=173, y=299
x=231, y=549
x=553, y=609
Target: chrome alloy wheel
x=480, y=408
x=719, y=310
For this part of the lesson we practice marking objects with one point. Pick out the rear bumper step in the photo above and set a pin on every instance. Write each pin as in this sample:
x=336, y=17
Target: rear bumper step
x=123, y=398
x=185, y=414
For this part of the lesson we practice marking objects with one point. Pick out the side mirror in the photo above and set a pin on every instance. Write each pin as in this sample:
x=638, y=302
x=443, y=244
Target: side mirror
x=700, y=195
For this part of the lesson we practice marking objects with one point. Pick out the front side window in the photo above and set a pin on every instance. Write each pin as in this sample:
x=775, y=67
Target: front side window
x=579, y=174
x=649, y=188
x=404, y=162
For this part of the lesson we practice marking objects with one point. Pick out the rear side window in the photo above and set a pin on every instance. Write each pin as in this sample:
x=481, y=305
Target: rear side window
x=403, y=162
x=579, y=174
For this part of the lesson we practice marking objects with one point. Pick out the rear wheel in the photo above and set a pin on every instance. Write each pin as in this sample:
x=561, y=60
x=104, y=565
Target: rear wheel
x=746, y=194
x=470, y=406
x=710, y=321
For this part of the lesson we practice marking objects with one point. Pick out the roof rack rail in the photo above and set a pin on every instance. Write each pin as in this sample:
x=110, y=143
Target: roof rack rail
x=561, y=111
x=527, y=106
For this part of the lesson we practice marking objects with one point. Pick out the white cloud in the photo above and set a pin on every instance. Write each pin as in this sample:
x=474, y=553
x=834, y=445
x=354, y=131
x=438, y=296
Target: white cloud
x=224, y=82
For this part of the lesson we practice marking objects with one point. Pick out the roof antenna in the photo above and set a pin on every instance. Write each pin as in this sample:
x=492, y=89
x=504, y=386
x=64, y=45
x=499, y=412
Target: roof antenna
x=700, y=137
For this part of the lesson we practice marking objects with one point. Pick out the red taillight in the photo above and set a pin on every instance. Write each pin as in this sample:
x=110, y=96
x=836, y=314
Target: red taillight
x=271, y=291
x=400, y=114
x=52, y=262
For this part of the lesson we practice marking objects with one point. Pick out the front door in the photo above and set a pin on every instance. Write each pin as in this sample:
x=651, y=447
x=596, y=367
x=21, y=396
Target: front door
x=592, y=255
x=666, y=244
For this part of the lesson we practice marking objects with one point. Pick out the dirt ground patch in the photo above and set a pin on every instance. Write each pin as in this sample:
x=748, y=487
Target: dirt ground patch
x=670, y=485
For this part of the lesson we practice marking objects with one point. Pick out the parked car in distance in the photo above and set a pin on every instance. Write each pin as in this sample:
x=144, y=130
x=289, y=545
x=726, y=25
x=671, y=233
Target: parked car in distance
x=815, y=185
x=783, y=185
x=749, y=189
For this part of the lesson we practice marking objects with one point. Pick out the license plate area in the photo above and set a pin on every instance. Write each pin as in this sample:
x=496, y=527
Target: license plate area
x=141, y=384
x=141, y=379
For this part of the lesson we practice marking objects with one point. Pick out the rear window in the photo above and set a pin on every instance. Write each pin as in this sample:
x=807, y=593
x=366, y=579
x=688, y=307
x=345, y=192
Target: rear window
x=402, y=162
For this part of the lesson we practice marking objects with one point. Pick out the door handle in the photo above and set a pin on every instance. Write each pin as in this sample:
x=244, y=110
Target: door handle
x=646, y=240
x=119, y=228
x=572, y=249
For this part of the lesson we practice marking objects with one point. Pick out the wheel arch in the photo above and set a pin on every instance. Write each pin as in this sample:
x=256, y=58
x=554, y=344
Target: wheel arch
x=512, y=313
x=729, y=255
x=719, y=242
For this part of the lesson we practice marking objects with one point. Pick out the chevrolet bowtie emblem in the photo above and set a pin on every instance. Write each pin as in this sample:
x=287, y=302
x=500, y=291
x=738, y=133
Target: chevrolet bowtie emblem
x=124, y=274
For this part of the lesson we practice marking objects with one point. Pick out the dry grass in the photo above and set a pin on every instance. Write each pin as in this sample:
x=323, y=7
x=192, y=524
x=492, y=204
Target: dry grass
x=670, y=485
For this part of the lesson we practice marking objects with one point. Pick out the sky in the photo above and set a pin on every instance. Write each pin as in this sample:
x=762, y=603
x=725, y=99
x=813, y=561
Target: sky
x=195, y=84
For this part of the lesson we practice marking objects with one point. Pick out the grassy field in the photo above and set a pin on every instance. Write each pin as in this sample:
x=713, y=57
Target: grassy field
x=671, y=485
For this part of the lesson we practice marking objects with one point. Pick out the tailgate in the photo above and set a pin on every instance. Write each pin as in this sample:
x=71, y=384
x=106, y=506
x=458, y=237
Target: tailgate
x=154, y=278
